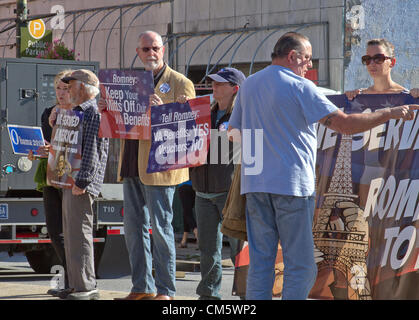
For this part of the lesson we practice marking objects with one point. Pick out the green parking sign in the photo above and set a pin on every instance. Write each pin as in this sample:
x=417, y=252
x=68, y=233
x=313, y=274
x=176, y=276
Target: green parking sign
x=35, y=39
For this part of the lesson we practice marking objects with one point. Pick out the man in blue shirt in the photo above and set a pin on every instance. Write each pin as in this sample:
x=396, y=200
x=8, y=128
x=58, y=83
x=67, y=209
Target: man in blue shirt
x=280, y=108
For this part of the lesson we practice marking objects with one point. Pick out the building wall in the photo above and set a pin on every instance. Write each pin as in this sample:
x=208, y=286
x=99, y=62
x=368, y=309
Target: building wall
x=398, y=22
x=192, y=17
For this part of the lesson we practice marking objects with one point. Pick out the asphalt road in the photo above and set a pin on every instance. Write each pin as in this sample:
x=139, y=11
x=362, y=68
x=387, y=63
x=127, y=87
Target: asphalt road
x=114, y=273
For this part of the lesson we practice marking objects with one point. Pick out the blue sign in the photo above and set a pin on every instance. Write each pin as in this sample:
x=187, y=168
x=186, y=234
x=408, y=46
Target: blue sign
x=24, y=138
x=4, y=211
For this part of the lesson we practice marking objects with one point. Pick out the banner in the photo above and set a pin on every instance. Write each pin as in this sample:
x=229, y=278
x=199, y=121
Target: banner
x=65, y=154
x=25, y=138
x=365, y=224
x=180, y=135
x=124, y=95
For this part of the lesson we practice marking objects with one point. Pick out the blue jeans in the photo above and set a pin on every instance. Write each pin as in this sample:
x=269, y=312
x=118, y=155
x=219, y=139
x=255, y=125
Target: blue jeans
x=271, y=218
x=209, y=218
x=145, y=207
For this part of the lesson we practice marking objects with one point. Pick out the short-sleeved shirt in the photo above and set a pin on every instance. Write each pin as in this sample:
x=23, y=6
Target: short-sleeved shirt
x=285, y=108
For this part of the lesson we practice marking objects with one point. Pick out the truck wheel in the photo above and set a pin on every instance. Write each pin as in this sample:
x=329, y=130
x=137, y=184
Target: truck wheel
x=41, y=261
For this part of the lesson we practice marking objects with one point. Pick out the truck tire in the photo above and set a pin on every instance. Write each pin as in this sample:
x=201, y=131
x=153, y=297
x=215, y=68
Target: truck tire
x=41, y=261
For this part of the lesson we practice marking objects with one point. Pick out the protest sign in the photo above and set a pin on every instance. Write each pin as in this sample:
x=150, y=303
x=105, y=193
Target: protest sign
x=180, y=135
x=124, y=95
x=367, y=212
x=65, y=154
x=25, y=138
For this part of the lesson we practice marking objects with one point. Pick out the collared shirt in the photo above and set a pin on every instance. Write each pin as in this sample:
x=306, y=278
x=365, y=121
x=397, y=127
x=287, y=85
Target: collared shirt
x=94, y=150
x=280, y=110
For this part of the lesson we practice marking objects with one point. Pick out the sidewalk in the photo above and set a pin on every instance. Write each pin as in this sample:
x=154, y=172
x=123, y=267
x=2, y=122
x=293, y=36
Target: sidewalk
x=187, y=260
x=23, y=291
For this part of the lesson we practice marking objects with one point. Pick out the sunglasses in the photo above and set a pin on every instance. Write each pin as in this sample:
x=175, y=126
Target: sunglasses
x=379, y=58
x=147, y=49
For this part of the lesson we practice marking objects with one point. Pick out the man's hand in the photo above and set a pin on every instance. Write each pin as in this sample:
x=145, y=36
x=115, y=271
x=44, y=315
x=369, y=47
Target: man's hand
x=414, y=92
x=182, y=99
x=155, y=100
x=352, y=94
x=405, y=112
x=76, y=191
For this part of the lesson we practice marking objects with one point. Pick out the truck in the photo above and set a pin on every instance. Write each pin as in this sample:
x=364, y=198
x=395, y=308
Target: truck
x=26, y=89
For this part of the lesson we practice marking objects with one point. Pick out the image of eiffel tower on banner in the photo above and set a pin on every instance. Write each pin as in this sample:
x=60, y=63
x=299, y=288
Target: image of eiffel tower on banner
x=367, y=187
x=341, y=233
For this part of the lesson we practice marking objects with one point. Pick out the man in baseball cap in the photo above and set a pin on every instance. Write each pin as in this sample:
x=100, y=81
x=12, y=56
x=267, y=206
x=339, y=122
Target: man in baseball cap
x=83, y=75
x=83, y=87
x=231, y=75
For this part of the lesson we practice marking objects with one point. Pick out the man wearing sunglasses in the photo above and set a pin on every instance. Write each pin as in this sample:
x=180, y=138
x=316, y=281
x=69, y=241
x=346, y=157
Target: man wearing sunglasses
x=148, y=198
x=280, y=199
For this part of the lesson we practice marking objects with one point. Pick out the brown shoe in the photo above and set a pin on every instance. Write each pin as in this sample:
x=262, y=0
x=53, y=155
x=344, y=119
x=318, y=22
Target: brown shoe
x=138, y=296
x=163, y=297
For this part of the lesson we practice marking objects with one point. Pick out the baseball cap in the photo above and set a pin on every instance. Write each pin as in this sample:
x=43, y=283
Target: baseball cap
x=228, y=75
x=83, y=75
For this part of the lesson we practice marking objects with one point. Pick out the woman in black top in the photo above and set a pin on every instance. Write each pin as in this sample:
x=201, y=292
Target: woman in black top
x=52, y=196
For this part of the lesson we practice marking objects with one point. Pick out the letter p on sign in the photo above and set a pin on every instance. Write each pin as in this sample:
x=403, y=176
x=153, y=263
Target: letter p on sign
x=37, y=28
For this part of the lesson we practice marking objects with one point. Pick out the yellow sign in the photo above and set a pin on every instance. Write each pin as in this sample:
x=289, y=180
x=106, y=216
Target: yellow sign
x=37, y=28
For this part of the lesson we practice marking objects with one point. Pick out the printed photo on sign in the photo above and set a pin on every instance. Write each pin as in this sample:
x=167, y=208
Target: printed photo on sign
x=124, y=101
x=65, y=154
x=25, y=139
x=180, y=135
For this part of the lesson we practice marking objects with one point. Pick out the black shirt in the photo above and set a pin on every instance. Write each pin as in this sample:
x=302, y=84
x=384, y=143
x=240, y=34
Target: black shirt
x=129, y=168
x=46, y=128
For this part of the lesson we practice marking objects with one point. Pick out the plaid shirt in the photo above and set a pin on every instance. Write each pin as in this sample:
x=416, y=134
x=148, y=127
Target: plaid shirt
x=94, y=150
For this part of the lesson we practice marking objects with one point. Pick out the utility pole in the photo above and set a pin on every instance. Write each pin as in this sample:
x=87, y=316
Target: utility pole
x=21, y=21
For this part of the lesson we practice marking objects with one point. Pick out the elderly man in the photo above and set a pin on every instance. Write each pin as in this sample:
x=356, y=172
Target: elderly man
x=77, y=202
x=280, y=198
x=149, y=197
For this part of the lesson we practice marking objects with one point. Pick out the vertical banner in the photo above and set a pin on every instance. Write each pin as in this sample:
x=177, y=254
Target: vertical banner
x=366, y=220
x=65, y=154
x=124, y=96
x=180, y=135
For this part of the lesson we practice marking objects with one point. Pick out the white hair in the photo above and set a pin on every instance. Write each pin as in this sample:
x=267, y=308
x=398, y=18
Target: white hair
x=151, y=34
x=92, y=91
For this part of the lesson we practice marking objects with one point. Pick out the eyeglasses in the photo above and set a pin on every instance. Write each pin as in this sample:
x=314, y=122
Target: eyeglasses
x=379, y=58
x=147, y=49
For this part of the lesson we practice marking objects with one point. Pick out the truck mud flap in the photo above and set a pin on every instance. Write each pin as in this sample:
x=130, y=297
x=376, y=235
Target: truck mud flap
x=114, y=262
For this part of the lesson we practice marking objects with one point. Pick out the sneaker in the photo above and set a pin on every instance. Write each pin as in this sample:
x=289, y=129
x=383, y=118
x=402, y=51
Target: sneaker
x=84, y=295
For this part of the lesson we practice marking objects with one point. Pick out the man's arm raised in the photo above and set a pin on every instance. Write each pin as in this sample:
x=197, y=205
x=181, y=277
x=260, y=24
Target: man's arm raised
x=360, y=122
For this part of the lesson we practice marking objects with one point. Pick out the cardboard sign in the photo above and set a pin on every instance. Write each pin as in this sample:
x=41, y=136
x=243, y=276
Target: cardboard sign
x=367, y=212
x=180, y=135
x=124, y=98
x=65, y=154
x=25, y=138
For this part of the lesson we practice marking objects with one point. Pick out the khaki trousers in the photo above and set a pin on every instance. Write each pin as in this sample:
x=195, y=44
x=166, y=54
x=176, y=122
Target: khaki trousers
x=78, y=240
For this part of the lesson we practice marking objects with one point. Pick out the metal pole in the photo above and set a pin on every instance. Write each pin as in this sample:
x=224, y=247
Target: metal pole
x=21, y=17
